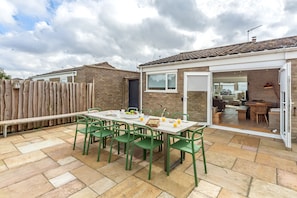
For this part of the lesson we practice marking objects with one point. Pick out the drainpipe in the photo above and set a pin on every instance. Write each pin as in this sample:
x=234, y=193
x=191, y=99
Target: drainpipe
x=140, y=84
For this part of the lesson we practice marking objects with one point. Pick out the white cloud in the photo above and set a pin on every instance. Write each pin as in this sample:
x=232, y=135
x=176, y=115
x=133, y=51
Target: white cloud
x=38, y=36
x=7, y=10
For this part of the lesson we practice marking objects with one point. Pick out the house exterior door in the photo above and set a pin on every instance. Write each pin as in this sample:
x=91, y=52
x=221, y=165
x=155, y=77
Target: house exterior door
x=134, y=93
x=197, y=96
x=285, y=103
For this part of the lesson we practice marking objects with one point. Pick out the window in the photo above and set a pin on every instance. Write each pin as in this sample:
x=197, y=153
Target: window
x=161, y=82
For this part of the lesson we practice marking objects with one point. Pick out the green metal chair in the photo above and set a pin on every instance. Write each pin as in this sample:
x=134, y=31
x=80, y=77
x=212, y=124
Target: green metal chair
x=122, y=134
x=191, y=142
x=149, y=140
x=102, y=132
x=94, y=109
x=86, y=130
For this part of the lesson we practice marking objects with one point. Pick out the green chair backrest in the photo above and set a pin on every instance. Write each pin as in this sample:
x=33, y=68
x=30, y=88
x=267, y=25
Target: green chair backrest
x=144, y=131
x=94, y=109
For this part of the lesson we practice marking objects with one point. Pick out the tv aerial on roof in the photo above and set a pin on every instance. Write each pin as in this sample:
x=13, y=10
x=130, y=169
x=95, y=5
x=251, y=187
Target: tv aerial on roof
x=248, y=32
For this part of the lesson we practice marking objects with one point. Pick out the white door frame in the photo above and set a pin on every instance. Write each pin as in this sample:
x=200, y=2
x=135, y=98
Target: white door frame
x=208, y=89
x=285, y=104
x=246, y=67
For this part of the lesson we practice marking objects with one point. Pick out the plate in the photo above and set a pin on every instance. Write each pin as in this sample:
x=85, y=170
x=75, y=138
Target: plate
x=130, y=116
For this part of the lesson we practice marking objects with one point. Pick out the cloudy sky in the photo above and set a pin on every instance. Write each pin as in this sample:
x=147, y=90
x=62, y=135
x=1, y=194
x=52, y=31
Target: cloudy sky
x=39, y=36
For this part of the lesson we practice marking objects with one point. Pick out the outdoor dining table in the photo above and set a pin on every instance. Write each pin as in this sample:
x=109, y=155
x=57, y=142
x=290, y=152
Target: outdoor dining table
x=166, y=126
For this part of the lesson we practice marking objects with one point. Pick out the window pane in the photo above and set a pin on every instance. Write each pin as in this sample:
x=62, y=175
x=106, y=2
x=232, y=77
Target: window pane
x=156, y=81
x=228, y=88
x=171, y=81
x=242, y=86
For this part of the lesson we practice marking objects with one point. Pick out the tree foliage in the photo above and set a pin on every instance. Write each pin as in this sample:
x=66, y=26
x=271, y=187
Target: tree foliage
x=3, y=75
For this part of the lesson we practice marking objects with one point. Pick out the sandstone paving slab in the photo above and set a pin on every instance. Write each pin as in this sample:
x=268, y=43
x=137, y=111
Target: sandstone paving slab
x=132, y=187
x=245, y=140
x=282, y=153
x=272, y=143
x=264, y=189
x=28, y=141
x=207, y=188
x=34, y=133
x=116, y=170
x=219, y=137
x=60, y=151
x=178, y=183
x=3, y=167
x=87, y=175
x=256, y=170
x=84, y=193
x=222, y=177
x=66, y=190
x=224, y=193
x=7, y=147
x=18, y=174
x=24, y=159
x=11, y=138
x=277, y=162
x=60, y=180
x=233, y=151
x=31, y=187
x=9, y=155
x=165, y=195
x=91, y=158
x=220, y=159
x=103, y=185
x=54, y=172
x=287, y=179
x=66, y=160
x=40, y=145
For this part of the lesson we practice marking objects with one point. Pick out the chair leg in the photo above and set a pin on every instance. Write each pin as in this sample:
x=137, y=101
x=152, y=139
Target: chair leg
x=74, y=140
x=127, y=156
x=99, y=149
x=150, y=165
x=195, y=171
x=131, y=156
x=168, y=156
x=88, y=146
x=204, y=160
x=85, y=142
x=110, y=151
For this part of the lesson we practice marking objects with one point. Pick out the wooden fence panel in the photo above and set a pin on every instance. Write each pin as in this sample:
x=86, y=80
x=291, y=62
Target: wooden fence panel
x=41, y=98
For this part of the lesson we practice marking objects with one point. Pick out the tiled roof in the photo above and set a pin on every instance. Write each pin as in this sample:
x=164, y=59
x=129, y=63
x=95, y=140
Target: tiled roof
x=97, y=65
x=239, y=48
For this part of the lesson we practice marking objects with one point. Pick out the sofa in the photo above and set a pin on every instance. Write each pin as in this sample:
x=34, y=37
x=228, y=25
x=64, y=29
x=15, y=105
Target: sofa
x=219, y=103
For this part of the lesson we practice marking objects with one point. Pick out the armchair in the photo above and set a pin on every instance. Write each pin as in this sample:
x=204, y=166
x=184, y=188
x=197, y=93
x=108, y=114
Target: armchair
x=220, y=103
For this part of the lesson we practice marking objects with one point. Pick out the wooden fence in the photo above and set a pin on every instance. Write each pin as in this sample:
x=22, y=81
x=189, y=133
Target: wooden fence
x=25, y=99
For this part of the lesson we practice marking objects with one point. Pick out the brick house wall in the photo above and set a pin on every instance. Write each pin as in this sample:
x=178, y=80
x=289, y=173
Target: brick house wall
x=173, y=101
x=111, y=86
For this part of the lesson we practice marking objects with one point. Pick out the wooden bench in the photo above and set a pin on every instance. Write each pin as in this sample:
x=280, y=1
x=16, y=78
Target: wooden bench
x=6, y=123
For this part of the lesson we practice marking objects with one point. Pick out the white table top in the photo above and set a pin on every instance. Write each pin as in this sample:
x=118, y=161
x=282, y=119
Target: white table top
x=165, y=127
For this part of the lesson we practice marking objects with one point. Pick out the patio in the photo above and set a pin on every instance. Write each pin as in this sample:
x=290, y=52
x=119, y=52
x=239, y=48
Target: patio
x=41, y=163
